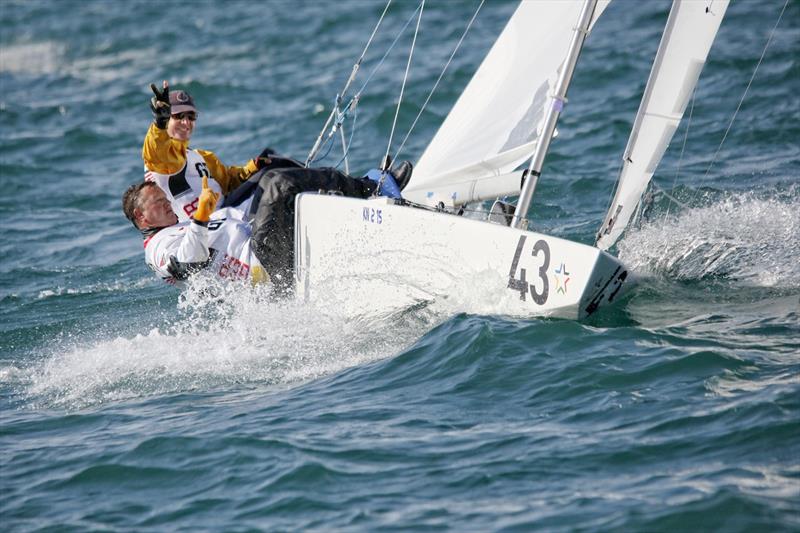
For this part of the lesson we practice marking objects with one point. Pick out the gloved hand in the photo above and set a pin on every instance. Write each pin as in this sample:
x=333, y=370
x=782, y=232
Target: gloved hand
x=159, y=104
x=263, y=158
x=206, y=203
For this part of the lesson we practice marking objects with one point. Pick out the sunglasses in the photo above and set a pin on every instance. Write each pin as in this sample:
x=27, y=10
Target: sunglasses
x=185, y=115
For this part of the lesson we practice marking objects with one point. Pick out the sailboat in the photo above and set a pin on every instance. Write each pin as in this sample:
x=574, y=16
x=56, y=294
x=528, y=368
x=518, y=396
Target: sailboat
x=369, y=256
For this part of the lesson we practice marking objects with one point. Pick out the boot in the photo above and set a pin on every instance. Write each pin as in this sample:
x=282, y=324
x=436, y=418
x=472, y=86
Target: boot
x=402, y=174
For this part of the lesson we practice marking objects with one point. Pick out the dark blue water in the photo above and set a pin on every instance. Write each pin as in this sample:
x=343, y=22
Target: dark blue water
x=126, y=406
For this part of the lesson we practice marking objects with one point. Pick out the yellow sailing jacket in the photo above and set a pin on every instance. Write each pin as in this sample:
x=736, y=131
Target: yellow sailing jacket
x=165, y=155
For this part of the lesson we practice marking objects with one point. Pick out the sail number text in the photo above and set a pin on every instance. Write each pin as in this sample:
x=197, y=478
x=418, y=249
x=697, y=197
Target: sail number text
x=540, y=287
x=370, y=214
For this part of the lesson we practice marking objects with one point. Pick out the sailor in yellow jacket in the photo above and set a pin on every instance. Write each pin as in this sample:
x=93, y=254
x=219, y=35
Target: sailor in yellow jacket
x=177, y=168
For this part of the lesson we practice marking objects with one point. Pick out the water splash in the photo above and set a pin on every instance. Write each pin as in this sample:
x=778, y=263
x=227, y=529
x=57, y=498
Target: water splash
x=225, y=335
x=746, y=239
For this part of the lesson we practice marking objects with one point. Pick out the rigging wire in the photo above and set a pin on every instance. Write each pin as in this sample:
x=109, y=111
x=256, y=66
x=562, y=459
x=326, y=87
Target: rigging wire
x=403, y=86
x=350, y=80
x=349, y=142
x=329, y=144
x=341, y=115
x=439, y=79
x=391, y=46
x=680, y=158
x=744, y=95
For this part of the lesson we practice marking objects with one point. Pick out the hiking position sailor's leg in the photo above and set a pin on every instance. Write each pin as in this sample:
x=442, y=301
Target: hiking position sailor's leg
x=273, y=223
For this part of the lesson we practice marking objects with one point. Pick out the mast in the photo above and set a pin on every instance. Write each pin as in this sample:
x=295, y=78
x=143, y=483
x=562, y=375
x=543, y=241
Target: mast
x=551, y=118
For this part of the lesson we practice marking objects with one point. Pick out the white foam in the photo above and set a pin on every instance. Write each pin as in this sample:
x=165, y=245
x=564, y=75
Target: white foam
x=237, y=336
x=744, y=238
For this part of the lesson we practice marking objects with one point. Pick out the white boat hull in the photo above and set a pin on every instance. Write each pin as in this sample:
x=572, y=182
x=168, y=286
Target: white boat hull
x=366, y=257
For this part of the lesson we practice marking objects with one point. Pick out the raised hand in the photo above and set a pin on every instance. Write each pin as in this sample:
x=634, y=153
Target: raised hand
x=159, y=104
x=206, y=203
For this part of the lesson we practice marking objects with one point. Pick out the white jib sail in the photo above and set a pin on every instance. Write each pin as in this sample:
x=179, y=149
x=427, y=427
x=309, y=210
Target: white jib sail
x=688, y=35
x=494, y=125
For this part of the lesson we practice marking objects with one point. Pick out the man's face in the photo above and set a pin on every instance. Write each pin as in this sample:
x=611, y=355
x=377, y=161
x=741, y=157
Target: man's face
x=153, y=209
x=181, y=125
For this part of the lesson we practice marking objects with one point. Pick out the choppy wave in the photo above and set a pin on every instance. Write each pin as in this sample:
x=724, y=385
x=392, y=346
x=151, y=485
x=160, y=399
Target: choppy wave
x=125, y=405
x=32, y=58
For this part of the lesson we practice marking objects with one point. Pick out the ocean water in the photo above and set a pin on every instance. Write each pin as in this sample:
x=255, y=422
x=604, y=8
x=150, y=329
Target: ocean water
x=126, y=405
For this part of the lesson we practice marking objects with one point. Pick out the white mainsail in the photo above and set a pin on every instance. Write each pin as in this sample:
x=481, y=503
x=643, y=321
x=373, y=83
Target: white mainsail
x=495, y=124
x=689, y=33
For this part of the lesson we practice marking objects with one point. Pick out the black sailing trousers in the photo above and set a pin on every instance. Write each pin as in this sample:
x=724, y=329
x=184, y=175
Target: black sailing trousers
x=273, y=205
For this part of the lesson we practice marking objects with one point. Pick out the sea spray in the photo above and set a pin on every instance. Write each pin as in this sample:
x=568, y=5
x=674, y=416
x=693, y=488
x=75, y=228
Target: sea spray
x=746, y=238
x=225, y=334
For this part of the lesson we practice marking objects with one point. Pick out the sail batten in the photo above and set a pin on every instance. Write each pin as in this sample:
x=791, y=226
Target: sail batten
x=687, y=39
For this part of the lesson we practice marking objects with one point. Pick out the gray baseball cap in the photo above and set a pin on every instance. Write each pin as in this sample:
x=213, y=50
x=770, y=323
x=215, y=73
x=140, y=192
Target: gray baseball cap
x=180, y=101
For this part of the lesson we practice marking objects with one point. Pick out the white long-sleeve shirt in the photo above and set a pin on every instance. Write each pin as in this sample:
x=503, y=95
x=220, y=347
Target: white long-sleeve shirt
x=222, y=246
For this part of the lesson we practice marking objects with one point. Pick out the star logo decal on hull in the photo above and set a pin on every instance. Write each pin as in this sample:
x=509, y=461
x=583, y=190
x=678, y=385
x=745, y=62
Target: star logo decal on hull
x=562, y=278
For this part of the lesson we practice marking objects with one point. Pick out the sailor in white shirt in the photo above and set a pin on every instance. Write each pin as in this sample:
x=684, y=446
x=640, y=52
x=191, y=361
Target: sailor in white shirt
x=215, y=240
